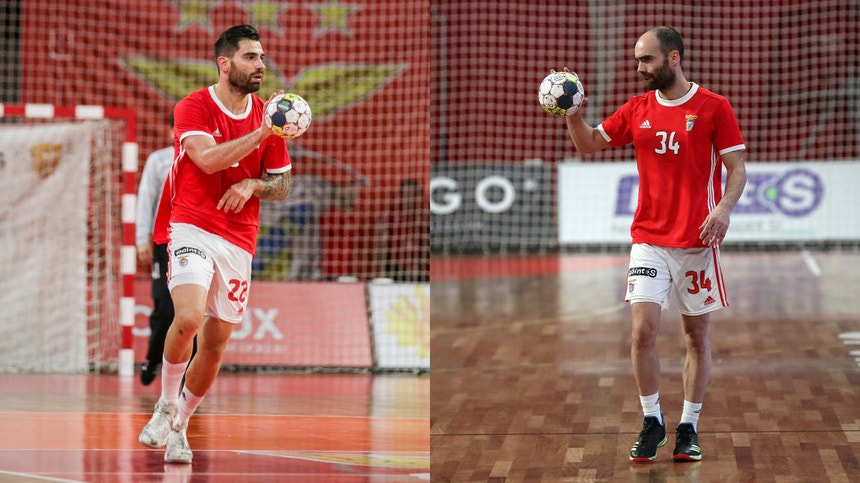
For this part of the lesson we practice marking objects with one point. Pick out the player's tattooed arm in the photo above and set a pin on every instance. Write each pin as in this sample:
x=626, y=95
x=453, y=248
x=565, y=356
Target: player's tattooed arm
x=275, y=186
x=269, y=187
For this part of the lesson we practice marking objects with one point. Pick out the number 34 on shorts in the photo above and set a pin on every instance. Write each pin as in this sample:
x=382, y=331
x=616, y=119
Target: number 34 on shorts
x=693, y=275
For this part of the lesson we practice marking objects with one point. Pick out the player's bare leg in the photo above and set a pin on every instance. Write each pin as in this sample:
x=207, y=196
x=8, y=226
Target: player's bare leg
x=643, y=350
x=646, y=370
x=697, y=366
x=189, y=304
x=211, y=343
x=697, y=371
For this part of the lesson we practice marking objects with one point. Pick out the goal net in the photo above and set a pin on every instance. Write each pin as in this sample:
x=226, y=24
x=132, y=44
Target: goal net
x=60, y=228
x=342, y=267
x=506, y=176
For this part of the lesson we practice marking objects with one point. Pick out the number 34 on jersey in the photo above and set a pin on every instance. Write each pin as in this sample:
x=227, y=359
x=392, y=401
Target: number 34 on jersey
x=666, y=143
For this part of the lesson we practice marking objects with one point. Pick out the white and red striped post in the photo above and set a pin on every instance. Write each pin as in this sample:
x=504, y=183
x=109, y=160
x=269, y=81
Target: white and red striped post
x=128, y=254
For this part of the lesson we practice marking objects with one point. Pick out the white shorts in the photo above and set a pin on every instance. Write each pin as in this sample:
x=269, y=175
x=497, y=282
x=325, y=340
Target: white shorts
x=692, y=275
x=201, y=258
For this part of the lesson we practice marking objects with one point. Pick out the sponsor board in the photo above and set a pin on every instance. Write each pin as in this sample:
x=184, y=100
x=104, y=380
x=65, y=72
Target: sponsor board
x=781, y=202
x=401, y=325
x=490, y=205
x=287, y=324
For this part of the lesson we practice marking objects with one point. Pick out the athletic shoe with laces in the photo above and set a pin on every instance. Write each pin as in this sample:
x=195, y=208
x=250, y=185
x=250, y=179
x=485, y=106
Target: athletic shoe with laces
x=178, y=450
x=652, y=436
x=686, y=443
x=154, y=434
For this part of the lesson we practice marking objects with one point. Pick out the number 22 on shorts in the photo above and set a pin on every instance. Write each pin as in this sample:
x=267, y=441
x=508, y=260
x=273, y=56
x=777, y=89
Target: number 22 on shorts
x=239, y=290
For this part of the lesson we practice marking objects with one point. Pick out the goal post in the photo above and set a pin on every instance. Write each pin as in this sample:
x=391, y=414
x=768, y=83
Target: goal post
x=43, y=140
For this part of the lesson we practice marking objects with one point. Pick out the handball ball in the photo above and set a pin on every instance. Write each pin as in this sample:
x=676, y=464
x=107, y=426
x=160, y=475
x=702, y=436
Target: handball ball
x=288, y=115
x=560, y=92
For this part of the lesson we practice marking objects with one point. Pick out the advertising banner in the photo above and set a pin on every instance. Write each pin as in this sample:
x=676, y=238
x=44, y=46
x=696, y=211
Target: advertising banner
x=490, y=205
x=401, y=325
x=287, y=324
x=781, y=202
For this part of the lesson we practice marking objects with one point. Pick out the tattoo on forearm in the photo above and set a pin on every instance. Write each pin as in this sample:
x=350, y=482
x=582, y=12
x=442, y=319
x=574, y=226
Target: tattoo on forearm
x=275, y=186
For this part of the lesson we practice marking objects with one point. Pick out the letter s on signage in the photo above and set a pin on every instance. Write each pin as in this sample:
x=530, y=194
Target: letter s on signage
x=451, y=199
x=800, y=192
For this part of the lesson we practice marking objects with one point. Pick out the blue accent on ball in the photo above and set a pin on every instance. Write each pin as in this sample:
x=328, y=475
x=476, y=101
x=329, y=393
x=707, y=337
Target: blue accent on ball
x=570, y=87
x=279, y=119
x=565, y=102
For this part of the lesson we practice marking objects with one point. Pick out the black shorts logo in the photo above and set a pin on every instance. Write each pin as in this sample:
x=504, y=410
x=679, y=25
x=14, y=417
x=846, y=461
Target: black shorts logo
x=642, y=272
x=189, y=250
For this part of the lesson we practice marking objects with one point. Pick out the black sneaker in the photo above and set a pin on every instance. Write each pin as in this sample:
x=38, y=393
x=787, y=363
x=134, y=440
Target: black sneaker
x=686, y=443
x=652, y=436
x=147, y=373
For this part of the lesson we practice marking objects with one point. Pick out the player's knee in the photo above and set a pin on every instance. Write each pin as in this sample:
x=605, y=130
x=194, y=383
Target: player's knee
x=697, y=339
x=186, y=323
x=644, y=337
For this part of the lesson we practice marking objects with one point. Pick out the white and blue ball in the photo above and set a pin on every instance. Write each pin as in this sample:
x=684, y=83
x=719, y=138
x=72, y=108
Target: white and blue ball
x=560, y=92
x=288, y=115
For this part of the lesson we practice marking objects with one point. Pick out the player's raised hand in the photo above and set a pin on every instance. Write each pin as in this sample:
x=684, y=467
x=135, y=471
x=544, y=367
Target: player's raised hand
x=265, y=124
x=578, y=108
x=560, y=93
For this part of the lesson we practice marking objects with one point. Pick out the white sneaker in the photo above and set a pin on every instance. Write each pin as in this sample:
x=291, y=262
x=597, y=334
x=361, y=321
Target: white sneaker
x=154, y=434
x=178, y=450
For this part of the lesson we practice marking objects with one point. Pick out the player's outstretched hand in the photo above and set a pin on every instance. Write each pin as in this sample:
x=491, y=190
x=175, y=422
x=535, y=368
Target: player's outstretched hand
x=264, y=128
x=577, y=109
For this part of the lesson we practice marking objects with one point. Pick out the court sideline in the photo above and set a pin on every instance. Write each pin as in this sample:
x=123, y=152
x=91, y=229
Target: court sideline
x=251, y=427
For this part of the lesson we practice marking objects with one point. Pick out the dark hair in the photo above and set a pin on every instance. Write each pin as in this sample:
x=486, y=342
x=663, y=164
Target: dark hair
x=670, y=40
x=228, y=42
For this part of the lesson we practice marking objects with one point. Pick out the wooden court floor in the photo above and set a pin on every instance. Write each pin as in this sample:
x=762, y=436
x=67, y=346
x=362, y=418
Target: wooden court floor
x=531, y=377
x=251, y=427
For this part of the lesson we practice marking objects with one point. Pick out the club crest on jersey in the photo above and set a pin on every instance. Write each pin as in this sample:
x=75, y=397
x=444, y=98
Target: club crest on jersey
x=691, y=120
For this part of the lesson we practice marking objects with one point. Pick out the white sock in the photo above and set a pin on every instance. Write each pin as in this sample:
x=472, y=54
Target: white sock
x=188, y=403
x=171, y=380
x=691, y=413
x=651, y=406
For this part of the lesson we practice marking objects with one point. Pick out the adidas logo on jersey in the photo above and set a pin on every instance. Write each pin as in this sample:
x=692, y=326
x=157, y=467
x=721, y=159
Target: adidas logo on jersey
x=217, y=133
x=710, y=300
x=645, y=125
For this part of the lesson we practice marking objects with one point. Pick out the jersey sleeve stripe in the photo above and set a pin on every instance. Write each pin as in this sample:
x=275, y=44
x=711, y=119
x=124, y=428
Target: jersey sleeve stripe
x=603, y=133
x=194, y=133
x=736, y=147
x=280, y=170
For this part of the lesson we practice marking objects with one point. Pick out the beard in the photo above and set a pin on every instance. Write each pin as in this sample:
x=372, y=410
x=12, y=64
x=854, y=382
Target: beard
x=244, y=83
x=660, y=79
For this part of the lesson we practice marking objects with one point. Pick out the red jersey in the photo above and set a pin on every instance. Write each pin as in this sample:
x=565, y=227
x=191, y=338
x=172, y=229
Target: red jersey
x=161, y=226
x=194, y=195
x=678, y=147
